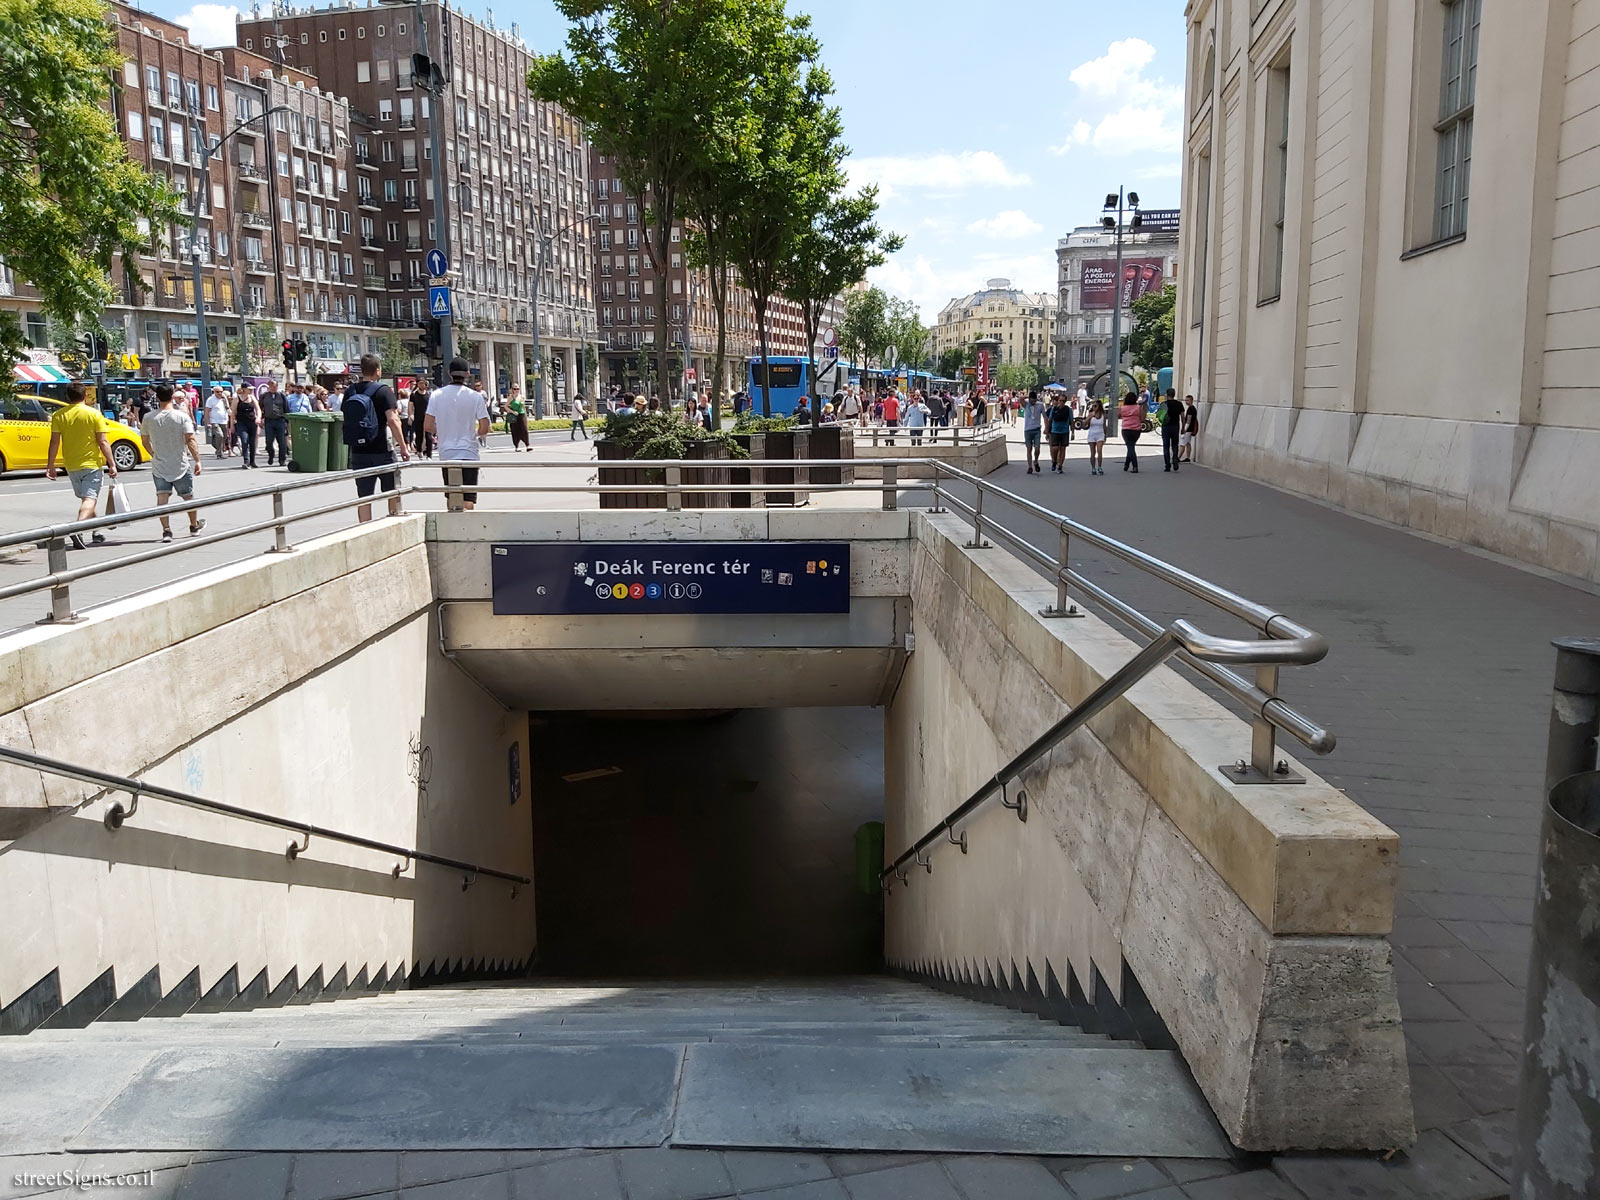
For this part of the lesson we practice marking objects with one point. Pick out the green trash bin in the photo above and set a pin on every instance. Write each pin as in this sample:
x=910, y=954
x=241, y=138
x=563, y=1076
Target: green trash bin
x=338, y=452
x=308, y=441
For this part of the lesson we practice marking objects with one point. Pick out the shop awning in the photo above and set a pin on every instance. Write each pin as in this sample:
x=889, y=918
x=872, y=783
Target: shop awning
x=39, y=373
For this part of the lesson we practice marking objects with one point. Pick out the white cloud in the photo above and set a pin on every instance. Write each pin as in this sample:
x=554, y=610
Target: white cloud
x=942, y=172
x=1014, y=223
x=1121, y=110
x=210, y=24
x=931, y=285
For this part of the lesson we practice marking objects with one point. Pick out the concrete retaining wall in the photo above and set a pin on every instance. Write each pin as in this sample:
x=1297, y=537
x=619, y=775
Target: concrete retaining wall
x=1253, y=918
x=305, y=686
x=974, y=457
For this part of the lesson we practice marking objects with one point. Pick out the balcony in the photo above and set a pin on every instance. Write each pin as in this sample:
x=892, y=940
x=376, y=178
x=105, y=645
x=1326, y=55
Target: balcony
x=371, y=243
x=407, y=123
x=250, y=171
x=364, y=161
x=408, y=162
x=367, y=201
x=257, y=266
x=300, y=184
x=253, y=129
x=256, y=220
x=413, y=243
x=155, y=97
x=373, y=282
x=411, y=204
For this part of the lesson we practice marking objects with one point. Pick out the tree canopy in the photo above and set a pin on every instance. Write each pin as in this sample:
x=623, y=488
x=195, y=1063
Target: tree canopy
x=1149, y=342
x=864, y=332
x=71, y=199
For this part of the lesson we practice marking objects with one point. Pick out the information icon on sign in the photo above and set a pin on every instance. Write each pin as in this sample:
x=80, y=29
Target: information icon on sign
x=676, y=591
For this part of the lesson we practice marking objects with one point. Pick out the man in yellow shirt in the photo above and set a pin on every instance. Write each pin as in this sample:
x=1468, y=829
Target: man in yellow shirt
x=78, y=435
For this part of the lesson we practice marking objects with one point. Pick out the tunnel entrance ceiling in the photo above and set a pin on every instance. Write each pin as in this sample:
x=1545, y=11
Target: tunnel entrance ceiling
x=715, y=846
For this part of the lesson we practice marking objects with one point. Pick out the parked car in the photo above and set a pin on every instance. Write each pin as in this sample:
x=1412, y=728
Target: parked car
x=25, y=435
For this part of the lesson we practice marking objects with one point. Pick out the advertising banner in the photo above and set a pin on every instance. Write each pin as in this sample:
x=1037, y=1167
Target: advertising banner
x=983, y=368
x=646, y=579
x=1098, y=281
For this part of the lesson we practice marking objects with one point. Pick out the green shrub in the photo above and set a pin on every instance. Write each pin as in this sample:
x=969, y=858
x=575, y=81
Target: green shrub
x=662, y=435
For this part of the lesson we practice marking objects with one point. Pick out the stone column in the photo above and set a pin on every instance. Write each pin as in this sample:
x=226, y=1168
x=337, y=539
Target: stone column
x=569, y=372
x=519, y=371
x=486, y=365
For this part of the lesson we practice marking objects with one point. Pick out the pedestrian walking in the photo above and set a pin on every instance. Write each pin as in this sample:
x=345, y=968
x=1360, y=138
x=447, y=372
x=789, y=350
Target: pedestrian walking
x=218, y=420
x=1060, y=432
x=517, y=421
x=891, y=413
x=1191, y=429
x=1171, y=415
x=580, y=414
x=246, y=424
x=302, y=400
x=848, y=405
x=274, y=423
x=1131, y=415
x=370, y=417
x=420, y=437
x=1032, y=430
x=1096, y=437
x=168, y=437
x=458, y=415
x=916, y=417
x=78, y=438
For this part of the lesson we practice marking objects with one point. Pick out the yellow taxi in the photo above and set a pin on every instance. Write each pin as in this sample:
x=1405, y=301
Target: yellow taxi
x=25, y=435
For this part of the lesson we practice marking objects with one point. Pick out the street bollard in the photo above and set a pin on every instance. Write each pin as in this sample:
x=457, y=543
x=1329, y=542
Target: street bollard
x=1558, y=1109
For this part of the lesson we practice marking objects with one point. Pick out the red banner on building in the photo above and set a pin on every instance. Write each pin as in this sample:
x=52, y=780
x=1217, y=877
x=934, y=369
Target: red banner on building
x=1098, y=281
x=983, y=368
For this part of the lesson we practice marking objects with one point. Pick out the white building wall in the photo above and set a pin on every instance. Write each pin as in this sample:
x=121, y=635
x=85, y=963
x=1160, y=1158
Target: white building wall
x=1450, y=387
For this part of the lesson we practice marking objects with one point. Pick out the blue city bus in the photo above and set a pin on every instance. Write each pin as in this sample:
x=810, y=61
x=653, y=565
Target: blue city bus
x=789, y=382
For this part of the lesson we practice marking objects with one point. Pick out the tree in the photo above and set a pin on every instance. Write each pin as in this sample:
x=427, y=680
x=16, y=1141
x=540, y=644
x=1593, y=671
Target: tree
x=71, y=200
x=396, y=352
x=642, y=74
x=837, y=250
x=1149, y=342
x=13, y=345
x=1016, y=377
x=907, y=334
x=591, y=370
x=792, y=174
x=261, y=345
x=951, y=361
x=864, y=332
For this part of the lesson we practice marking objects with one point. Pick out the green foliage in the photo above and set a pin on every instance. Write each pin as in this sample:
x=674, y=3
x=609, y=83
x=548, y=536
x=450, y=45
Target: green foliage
x=1019, y=376
x=70, y=198
x=396, y=353
x=591, y=369
x=748, y=422
x=465, y=347
x=864, y=334
x=1149, y=342
x=906, y=332
x=13, y=345
x=951, y=361
x=662, y=435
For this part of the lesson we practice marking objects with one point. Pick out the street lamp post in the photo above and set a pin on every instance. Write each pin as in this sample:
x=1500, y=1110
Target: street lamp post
x=432, y=81
x=1114, y=359
x=203, y=192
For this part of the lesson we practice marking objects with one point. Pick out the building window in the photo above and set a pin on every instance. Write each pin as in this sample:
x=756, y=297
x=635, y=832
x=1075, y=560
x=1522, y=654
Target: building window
x=1459, y=79
x=1275, y=183
x=363, y=71
x=135, y=126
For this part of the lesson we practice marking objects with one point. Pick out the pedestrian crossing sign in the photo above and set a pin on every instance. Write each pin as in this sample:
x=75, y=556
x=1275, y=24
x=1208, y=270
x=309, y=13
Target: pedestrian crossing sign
x=438, y=302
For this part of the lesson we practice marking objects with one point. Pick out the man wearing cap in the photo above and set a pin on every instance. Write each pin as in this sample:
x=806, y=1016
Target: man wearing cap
x=457, y=419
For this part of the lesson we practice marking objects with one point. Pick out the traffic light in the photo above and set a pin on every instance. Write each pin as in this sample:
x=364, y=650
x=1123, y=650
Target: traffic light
x=432, y=337
x=288, y=354
x=301, y=350
x=94, y=347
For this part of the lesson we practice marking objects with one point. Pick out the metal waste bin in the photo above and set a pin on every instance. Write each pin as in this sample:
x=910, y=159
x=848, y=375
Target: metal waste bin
x=338, y=452
x=308, y=441
x=1558, y=1110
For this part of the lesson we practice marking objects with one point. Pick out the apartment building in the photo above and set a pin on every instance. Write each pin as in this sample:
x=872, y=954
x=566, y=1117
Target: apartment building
x=1024, y=323
x=1392, y=288
x=1086, y=294
x=515, y=170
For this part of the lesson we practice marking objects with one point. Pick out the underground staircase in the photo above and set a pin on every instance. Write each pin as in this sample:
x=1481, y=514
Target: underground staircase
x=862, y=1063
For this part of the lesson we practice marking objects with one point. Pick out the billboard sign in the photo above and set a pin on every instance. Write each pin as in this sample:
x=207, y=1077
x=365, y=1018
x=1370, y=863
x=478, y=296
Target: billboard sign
x=983, y=367
x=1159, y=220
x=1098, y=281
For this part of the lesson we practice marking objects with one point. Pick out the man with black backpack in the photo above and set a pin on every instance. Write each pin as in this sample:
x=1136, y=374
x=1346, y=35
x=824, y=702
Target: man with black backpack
x=371, y=414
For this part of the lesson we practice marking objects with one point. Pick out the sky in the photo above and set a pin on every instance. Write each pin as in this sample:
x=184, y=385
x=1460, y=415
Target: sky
x=990, y=129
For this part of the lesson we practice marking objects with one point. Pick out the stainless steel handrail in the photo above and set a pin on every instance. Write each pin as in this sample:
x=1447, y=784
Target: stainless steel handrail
x=117, y=816
x=1268, y=714
x=1180, y=635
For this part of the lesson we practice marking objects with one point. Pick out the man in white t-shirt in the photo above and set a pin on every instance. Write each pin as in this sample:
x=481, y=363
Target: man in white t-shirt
x=458, y=418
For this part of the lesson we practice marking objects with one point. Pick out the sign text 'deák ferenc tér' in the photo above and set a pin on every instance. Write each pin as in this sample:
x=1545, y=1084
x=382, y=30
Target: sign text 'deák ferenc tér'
x=635, y=579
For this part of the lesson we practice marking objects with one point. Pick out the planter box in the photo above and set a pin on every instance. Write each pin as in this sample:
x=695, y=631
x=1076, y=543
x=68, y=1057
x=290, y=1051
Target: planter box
x=792, y=444
x=625, y=475
x=833, y=441
x=756, y=445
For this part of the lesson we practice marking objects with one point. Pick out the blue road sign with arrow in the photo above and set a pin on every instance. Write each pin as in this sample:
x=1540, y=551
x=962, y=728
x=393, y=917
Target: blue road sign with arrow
x=438, y=264
x=438, y=302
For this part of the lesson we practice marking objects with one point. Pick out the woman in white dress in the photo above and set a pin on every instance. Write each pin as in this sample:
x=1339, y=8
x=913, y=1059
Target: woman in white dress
x=1097, y=439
